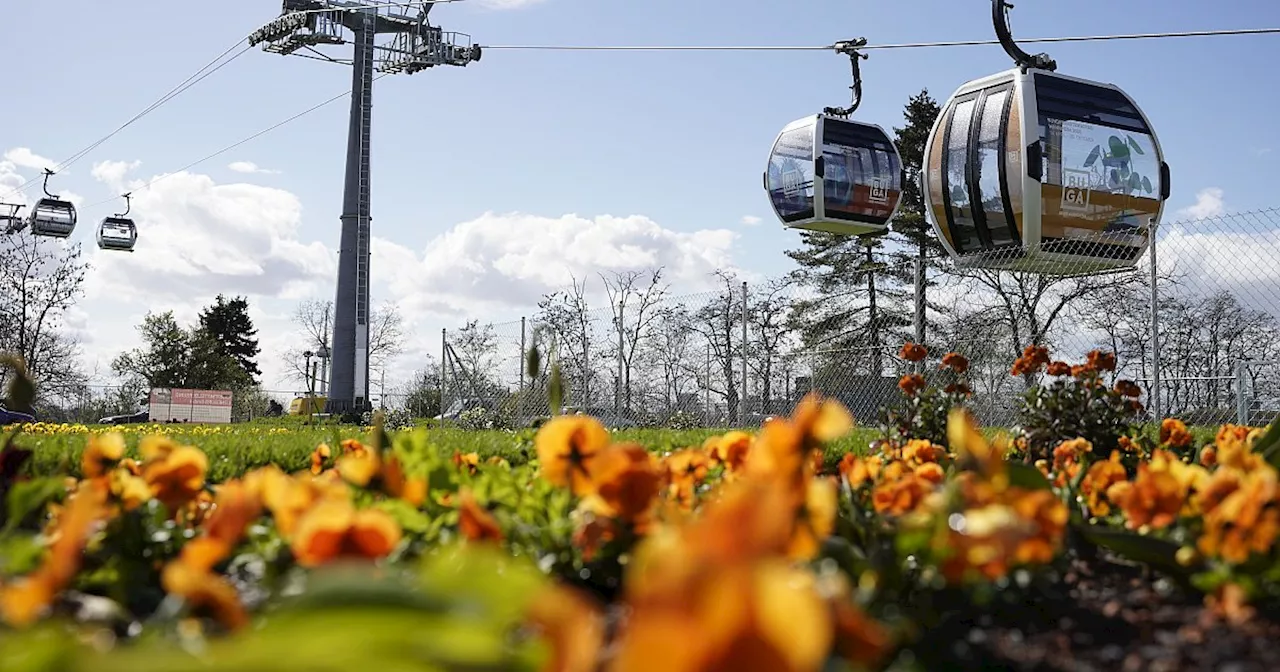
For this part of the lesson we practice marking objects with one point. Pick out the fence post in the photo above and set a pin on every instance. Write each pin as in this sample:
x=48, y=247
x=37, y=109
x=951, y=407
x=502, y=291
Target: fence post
x=1243, y=402
x=586, y=370
x=742, y=403
x=706, y=387
x=1156, y=409
x=920, y=305
x=617, y=386
x=444, y=359
x=523, y=353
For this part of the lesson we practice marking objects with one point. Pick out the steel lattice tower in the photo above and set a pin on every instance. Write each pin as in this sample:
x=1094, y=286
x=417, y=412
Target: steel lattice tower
x=303, y=27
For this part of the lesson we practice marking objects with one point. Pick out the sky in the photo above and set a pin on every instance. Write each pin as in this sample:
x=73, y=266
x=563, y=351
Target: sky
x=495, y=183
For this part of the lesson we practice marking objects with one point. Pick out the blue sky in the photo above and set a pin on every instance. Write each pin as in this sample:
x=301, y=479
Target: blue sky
x=678, y=138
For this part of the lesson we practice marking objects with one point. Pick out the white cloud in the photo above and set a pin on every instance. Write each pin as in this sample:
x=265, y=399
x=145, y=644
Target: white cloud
x=10, y=179
x=112, y=173
x=505, y=261
x=196, y=238
x=250, y=167
x=1208, y=203
x=25, y=158
x=750, y=220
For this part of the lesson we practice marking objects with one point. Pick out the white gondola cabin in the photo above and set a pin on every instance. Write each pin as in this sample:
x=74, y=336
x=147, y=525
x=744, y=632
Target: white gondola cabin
x=834, y=175
x=118, y=232
x=52, y=216
x=1033, y=170
x=829, y=173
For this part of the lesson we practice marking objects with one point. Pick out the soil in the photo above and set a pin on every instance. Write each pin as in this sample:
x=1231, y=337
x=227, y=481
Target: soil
x=1106, y=616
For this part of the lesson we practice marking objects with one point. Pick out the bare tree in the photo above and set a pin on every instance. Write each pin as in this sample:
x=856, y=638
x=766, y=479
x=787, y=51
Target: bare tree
x=670, y=349
x=567, y=315
x=39, y=283
x=633, y=300
x=719, y=322
x=476, y=346
x=768, y=317
x=313, y=319
x=386, y=335
x=1031, y=305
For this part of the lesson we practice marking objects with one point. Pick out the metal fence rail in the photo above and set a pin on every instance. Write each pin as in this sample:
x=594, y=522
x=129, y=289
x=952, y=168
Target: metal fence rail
x=1192, y=319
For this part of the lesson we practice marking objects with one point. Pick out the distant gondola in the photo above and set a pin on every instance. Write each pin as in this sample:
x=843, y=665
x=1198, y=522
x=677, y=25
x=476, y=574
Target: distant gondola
x=10, y=220
x=828, y=173
x=52, y=216
x=118, y=232
x=1033, y=170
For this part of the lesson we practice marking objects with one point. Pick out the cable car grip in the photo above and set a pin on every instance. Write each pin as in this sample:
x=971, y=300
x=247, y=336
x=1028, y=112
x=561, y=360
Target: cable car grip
x=1000, y=17
x=850, y=48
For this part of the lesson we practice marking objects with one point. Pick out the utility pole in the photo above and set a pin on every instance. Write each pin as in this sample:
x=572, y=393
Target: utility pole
x=324, y=354
x=617, y=389
x=742, y=405
x=414, y=45
x=1157, y=410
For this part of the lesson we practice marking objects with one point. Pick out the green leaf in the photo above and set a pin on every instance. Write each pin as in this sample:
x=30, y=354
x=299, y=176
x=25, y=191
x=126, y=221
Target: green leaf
x=20, y=554
x=533, y=362
x=1024, y=475
x=22, y=389
x=1268, y=445
x=440, y=478
x=1160, y=554
x=555, y=390
x=484, y=576
x=1118, y=147
x=28, y=497
x=406, y=516
x=1146, y=185
x=45, y=649
x=1093, y=156
x=343, y=587
x=1134, y=144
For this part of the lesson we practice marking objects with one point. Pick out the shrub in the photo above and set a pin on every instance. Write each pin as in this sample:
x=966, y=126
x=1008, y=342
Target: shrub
x=1075, y=403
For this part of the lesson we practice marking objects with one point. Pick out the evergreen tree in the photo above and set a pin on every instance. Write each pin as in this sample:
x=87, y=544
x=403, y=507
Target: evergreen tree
x=920, y=113
x=866, y=286
x=227, y=323
x=921, y=244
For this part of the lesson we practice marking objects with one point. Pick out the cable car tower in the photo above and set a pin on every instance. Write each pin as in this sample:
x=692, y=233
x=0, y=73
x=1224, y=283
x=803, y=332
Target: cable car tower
x=390, y=39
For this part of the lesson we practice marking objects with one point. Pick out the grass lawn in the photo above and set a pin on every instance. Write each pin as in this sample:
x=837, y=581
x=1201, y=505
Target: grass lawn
x=235, y=449
x=288, y=442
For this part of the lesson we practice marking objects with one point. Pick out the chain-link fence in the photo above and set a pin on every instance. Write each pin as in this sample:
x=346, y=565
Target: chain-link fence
x=1191, y=318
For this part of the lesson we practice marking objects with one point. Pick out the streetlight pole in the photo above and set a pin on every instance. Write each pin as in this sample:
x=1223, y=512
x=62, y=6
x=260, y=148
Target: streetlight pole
x=414, y=45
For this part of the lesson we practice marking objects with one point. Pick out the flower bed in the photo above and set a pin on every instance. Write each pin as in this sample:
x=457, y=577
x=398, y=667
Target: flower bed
x=1078, y=543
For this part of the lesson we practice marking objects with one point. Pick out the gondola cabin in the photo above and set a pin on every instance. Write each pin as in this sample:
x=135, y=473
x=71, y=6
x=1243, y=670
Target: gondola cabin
x=117, y=233
x=52, y=217
x=1037, y=171
x=835, y=175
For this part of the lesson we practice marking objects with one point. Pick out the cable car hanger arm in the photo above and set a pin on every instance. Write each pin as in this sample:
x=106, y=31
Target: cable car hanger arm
x=850, y=47
x=128, y=205
x=1000, y=17
x=47, y=174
